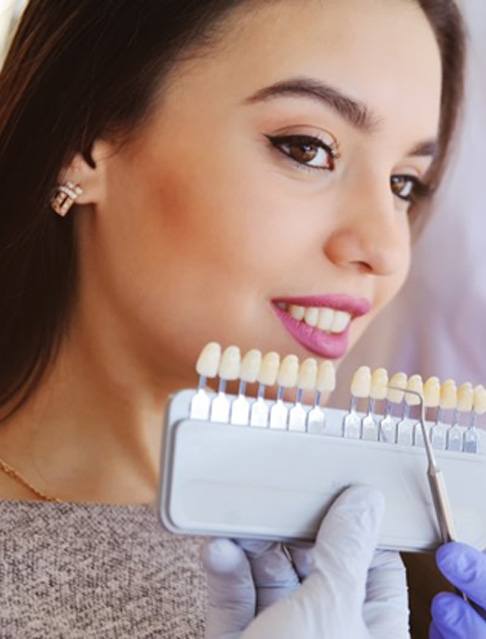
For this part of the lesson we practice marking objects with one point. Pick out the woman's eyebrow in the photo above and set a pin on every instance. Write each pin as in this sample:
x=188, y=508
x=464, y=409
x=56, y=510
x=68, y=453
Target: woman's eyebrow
x=352, y=110
x=357, y=113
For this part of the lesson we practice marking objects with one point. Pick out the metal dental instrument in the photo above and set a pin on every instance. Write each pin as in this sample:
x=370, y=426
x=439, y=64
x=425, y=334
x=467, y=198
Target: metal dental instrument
x=436, y=478
x=439, y=493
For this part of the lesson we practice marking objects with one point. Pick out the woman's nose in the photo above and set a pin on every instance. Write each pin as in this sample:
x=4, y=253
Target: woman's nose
x=372, y=236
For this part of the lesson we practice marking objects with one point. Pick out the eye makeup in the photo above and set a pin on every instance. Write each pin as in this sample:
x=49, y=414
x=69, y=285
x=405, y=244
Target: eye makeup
x=302, y=141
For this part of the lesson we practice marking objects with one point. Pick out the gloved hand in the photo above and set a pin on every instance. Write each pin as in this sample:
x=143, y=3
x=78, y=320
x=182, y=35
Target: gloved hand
x=452, y=617
x=346, y=591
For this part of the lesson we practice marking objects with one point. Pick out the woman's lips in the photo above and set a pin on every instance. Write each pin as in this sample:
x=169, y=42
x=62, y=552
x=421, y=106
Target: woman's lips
x=330, y=340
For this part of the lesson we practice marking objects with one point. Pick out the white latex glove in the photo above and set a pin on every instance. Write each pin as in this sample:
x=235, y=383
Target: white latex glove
x=348, y=590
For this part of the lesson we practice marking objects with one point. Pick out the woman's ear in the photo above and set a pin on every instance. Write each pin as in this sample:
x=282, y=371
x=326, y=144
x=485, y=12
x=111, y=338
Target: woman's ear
x=91, y=177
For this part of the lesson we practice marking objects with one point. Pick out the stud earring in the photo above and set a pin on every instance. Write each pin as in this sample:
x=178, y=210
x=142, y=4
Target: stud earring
x=64, y=197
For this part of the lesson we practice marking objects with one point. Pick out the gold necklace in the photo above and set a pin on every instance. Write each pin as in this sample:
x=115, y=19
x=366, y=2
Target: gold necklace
x=8, y=470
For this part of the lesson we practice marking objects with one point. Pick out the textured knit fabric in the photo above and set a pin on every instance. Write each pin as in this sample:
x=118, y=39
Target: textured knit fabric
x=78, y=571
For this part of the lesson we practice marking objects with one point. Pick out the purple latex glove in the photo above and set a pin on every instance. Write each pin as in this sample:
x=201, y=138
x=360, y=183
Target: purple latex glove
x=337, y=589
x=452, y=617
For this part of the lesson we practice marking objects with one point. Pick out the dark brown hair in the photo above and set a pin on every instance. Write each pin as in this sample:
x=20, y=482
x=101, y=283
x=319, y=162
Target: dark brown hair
x=77, y=71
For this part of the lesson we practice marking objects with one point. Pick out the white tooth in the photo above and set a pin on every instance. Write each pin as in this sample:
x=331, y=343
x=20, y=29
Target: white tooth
x=465, y=397
x=311, y=316
x=267, y=375
x=416, y=384
x=208, y=361
x=326, y=318
x=480, y=399
x=308, y=374
x=379, y=383
x=326, y=377
x=288, y=371
x=448, y=395
x=340, y=322
x=399, y=380
x=250, y=365
x=432, y=392
x=297, y=312
x=229, y=367
x=361, y=382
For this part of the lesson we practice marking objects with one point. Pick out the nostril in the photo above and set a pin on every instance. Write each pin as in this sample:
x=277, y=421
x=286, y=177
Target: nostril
x=363, y=267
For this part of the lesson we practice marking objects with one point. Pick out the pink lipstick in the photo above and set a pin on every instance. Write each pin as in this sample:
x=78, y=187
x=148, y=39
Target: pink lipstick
x=320, y=323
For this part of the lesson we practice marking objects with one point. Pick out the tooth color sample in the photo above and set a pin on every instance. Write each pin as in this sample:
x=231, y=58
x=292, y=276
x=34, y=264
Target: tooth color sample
x=267, y=375
x=361, y=383
x=307, y=374
x=465, y=397
x=400, y=380
x=416, y=384
x=432, y=392
x=208, y=362
x=250, y=365
x=379, y=384
x=480, y=399
x=326, y=377
x=448, y=395
x=288, y=371
x=229, y=367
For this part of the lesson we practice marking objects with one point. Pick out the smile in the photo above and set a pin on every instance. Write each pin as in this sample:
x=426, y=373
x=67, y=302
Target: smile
x=321, y=323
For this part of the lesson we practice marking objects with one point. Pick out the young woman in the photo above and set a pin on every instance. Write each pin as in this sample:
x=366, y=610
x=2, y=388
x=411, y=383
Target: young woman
x=171, y=170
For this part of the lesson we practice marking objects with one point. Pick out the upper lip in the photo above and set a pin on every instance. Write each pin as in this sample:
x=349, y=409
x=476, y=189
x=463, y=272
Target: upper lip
x=355, y=306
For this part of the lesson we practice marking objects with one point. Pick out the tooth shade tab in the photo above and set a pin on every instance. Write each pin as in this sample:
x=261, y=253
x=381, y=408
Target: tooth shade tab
x=307, y=374
x=267, y=375
x=465, y=397
x=361, y=383
x=207, y=364
x=229, y=367
x=416, y=384
x=288, y=372
x=448, y=395
x=297, y=312
x=326, y=318
x=379, y=384
x=400, y=380
x=432, y=392
x=250, y=365
x=479, y=400
x=326, y=377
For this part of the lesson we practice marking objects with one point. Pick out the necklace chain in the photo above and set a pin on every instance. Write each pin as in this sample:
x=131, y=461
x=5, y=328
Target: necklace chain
x=8, y=470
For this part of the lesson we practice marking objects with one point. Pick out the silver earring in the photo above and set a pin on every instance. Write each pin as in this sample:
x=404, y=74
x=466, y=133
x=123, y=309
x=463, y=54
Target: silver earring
x=64, y=197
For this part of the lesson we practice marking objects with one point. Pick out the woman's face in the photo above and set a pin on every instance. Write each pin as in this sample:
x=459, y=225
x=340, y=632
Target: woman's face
x=237, y=196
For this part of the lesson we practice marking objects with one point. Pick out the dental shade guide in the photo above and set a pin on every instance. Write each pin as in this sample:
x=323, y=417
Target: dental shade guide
x=245, y=466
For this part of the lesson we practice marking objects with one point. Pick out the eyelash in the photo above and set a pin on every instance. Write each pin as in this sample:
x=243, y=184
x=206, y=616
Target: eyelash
x=420, y=189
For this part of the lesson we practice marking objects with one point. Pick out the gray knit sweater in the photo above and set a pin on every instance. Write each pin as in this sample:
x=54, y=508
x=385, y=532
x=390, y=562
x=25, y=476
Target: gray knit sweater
x=79, y=571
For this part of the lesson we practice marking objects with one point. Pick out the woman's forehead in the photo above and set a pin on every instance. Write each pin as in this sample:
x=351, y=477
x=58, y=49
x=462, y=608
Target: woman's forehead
x=381, y=53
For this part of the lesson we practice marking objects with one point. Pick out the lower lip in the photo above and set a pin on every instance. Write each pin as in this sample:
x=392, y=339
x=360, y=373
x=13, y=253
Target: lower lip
x=328, y=345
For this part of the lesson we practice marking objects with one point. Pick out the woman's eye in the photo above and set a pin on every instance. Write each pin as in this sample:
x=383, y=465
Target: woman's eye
x=407, y=187
x=309, y=153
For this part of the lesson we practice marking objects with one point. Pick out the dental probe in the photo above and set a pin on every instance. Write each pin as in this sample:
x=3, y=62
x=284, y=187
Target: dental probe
x=439, y=494
x=436, y=478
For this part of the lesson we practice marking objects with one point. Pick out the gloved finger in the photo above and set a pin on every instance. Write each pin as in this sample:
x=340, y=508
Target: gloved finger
x=231, y=591
x=434, y=632
x=301, y=556
x=273, y=571
x=455, y=619
x=385, y=610
x=465, y=567
x=348, y=535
